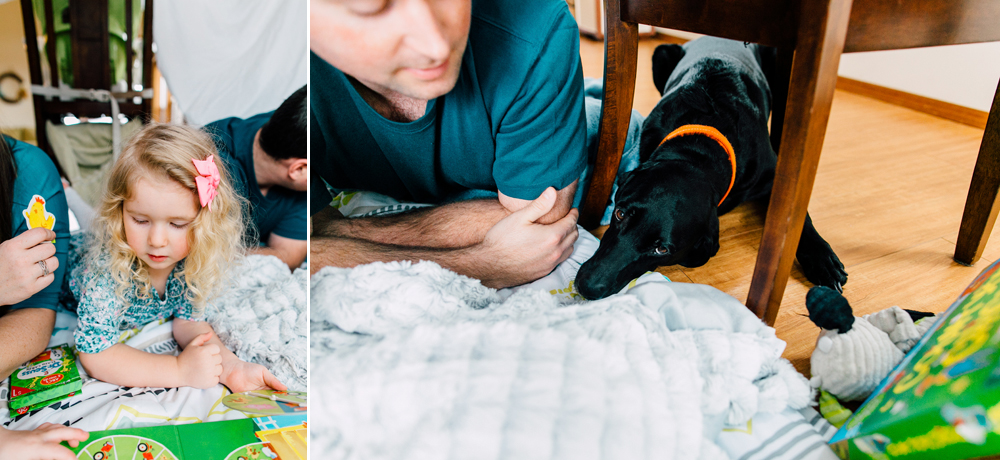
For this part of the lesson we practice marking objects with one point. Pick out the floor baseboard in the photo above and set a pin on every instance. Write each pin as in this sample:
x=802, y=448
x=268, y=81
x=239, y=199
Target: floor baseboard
x=946, y=110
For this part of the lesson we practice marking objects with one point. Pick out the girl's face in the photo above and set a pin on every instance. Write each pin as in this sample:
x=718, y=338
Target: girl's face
x=157, y=220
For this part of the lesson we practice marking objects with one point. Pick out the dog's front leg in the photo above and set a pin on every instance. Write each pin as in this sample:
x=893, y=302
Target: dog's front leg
x=819, y=263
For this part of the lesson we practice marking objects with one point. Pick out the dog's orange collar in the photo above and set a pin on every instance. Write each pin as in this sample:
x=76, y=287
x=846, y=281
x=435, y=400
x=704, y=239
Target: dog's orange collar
x=716, y=136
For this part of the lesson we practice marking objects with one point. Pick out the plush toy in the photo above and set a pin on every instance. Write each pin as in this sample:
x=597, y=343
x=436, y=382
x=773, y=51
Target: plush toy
x=854, y=354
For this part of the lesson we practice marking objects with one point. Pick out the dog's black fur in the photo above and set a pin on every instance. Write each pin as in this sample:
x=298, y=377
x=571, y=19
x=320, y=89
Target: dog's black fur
x=666, y=209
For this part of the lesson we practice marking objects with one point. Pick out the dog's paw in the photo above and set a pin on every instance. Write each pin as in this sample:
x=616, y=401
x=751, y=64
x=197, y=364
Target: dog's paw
x=822, y=267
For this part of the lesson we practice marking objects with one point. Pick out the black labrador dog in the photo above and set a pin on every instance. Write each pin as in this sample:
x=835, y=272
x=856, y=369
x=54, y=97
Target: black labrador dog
x=715, y=94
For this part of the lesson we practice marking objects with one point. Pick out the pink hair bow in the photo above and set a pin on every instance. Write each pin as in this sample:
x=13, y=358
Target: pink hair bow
x=208, y=181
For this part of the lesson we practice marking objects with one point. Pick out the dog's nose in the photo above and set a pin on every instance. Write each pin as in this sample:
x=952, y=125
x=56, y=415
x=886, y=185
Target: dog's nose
x=590, y=287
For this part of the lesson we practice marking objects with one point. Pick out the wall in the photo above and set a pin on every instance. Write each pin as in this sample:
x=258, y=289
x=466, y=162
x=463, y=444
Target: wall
x=965, y=75
x=13, y=57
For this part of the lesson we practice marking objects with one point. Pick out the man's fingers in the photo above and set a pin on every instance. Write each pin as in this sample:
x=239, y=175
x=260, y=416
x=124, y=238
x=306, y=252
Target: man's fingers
x=273, y=381
x=539, y=207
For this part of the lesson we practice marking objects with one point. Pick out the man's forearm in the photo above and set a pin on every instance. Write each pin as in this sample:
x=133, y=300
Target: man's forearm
x=24, y=334
x=348, y=252
x=452, y=226
x=292, y=260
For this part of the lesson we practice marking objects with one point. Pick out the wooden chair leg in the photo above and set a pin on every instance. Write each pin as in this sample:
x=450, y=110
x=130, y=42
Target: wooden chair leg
x=779, y=94
x=822, y=31
x=982, y=204
x=621, y=49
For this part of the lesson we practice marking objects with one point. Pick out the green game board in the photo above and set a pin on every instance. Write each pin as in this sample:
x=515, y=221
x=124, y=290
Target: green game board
x=943, y=400
x=200, y=441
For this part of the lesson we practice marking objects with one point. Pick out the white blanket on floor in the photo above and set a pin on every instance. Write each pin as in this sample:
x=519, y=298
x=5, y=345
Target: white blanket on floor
x=413, y=361
x=262, y=319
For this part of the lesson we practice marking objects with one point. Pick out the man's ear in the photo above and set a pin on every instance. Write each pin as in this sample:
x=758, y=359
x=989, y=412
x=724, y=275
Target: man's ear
x=298, y=169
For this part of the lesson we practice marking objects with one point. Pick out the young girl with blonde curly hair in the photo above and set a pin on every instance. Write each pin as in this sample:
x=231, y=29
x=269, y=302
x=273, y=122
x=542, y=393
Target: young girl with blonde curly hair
x=165, y=233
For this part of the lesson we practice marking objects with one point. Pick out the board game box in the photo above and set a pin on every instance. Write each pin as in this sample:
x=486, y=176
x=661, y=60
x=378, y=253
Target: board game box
x=943, y=399
x=50, y=376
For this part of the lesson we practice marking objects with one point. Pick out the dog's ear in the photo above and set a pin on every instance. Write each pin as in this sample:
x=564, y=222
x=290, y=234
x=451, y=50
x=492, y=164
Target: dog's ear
x=706, y=247
x=665, y=59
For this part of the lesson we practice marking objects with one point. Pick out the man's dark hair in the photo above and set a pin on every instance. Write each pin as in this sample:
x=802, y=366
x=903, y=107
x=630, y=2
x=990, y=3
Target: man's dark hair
x=283, y=136
x=8, y=172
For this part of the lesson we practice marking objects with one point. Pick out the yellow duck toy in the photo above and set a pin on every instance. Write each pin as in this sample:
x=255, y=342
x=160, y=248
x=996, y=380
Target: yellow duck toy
x=37, y=216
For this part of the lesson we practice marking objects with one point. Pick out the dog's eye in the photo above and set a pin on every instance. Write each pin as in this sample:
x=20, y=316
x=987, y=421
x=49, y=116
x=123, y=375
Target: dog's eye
x=619, y=214
x=660, y=250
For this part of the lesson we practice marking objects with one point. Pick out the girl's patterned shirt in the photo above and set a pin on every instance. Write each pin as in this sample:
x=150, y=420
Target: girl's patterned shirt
x=104, y=318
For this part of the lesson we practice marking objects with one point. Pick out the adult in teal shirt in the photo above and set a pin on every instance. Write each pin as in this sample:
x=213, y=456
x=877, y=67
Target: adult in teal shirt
x=434, y=101
x=31, y=272
x=266, y=156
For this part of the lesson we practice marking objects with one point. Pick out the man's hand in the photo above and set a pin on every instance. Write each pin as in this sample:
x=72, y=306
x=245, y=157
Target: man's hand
x=21, y=275
x=200, y=363
x=518, y=249
x=42, y=443
x=242, y=376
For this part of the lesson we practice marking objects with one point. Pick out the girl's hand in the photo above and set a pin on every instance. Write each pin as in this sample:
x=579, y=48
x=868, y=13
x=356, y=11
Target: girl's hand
x=21, y=275
x=40, y=444
x=200, y=363
x=242, y=376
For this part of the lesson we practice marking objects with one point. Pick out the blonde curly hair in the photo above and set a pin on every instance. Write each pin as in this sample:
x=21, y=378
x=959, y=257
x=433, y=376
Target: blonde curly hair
x=167, y=150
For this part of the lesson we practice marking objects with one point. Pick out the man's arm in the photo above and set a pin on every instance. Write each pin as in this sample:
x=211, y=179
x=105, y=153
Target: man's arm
x=24, y=334
x=454, y=225
x=515, y=250
x=291, y=252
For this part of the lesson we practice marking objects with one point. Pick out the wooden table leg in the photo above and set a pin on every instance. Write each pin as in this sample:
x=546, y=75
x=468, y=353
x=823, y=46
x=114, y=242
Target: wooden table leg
x=982, y=205
x=621, y=50
x=820, y=41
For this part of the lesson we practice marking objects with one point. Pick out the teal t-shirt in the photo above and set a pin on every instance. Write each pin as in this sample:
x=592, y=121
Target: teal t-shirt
x=514, y=121
x=37, y=175
x=283, y=211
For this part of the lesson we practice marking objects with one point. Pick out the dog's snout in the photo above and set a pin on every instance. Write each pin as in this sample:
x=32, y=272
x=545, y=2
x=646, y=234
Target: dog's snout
x=591, y=286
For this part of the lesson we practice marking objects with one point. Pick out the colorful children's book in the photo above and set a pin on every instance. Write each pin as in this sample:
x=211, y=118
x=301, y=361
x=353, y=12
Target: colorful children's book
x=49, y=377
x=226, y=440
x=943, y=399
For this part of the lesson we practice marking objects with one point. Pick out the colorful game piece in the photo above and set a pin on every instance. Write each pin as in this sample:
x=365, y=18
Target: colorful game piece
x=267, y=402
x=290, y=443
x=36, y=216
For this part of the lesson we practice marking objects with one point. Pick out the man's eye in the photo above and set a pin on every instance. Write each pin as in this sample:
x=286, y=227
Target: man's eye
x=371, y=8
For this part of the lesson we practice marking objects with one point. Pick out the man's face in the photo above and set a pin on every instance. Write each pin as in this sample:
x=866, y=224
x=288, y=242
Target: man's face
x=410, y=47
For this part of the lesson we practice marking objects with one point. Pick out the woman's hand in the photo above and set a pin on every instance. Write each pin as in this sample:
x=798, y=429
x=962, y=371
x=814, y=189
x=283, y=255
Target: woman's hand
x=242, y=376
x=42, y=443
x=21, y=274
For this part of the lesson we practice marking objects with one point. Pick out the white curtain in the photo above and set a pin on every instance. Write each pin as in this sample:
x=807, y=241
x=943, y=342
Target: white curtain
x=225, y=58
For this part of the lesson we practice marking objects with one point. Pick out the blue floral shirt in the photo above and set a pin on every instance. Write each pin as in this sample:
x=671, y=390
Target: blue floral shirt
x=103, y=322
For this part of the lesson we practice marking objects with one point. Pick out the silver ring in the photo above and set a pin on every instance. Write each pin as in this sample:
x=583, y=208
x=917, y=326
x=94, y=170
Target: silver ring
x=45, y=270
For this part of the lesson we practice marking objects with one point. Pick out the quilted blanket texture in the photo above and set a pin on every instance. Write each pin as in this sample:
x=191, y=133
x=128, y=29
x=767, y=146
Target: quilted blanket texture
x=414, y=361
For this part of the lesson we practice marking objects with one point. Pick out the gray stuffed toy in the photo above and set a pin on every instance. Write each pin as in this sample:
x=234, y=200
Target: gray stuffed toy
x=854, y=354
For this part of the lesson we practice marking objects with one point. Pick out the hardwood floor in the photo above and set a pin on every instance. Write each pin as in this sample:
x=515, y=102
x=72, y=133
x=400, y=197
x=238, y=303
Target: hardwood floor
x=888, y=197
